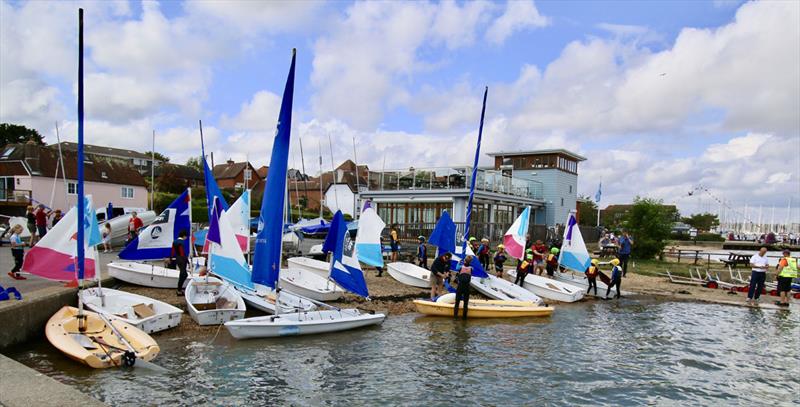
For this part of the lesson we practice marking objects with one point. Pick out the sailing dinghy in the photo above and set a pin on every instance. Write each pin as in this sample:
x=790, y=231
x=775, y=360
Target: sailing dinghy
x=443, y=307
x=345, y=269
x=574, y=257
x=550, y=288
x=144, y=313
x=310, y=285
x=85, y=336
x=211, y=301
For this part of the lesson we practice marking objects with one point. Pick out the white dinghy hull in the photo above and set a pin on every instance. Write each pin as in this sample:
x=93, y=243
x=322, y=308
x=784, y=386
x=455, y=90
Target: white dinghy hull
x=321, y=268
x=144, y=313
x=410, y=274
x=550, y=288
x=310, y=285
x=501, y=289
x=213, y=302
x=147, y=275
x=302, y=323
x=263, y=299
x=582, y=283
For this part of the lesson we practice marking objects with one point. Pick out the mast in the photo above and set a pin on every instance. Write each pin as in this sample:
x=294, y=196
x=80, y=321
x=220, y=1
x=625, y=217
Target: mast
x=81, y=253
x=153, y=172
x=303, y=164
x=357, y=209
x=472, y=180
x=333, y=173
x=63, y=173
x=319, y=145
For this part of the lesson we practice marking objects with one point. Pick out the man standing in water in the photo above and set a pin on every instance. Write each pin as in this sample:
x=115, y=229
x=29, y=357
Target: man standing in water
x=462, y=292
x=179, y=256
x=787, y=271
x=439, y=269
x=758, y=276
x=625, y=243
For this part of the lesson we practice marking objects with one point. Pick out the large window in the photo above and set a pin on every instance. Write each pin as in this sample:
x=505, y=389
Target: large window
x=126, y=192
x=412, y=212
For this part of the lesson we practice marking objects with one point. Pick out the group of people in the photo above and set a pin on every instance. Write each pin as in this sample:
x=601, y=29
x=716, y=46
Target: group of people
x=38, y=218
x=786, y=272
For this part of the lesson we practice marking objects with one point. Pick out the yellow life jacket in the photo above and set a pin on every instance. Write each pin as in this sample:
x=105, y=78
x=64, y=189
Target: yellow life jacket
x=791, y=268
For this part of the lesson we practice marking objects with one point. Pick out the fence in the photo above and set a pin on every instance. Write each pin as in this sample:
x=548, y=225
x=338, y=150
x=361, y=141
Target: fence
x=493, y=231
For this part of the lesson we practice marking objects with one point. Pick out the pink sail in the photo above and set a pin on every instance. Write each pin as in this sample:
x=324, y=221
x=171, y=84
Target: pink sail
x=54, y=256
x=514, y=239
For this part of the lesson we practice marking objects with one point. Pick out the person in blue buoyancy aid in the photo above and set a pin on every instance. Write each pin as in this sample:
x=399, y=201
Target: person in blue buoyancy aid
x=422, y=253
x=616, y=278
x=462, y=292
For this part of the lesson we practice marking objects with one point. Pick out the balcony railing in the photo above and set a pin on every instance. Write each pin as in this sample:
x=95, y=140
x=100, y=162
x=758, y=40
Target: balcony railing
x=443, y=178
x=15, y=195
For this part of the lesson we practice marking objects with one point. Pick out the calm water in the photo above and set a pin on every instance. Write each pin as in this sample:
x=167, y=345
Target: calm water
x=599, y=353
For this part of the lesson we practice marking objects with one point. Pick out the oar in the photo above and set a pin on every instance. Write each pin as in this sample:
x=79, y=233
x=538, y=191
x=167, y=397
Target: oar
x=142, y=363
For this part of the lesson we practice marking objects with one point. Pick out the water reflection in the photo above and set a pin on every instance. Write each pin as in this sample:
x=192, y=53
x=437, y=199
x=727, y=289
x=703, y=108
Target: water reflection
x=627, y=352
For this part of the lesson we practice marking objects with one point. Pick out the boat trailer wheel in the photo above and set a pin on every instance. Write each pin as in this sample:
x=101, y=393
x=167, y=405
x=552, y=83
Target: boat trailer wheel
x=128, y=359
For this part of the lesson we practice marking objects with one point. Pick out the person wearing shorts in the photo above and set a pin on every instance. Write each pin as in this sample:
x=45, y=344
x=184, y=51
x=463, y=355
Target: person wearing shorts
x=393, y=242
x=787, y=272
x=439, y=269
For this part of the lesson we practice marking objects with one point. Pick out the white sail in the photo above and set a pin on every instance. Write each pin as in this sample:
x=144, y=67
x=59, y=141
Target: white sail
x=574, y=255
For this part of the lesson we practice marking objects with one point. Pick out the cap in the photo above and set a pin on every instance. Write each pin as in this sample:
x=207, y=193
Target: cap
x=500, y=246
x=615, y=262
x=554, y=250
x=595, y=261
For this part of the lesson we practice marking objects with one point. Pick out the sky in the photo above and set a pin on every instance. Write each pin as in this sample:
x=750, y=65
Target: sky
x=664, y=98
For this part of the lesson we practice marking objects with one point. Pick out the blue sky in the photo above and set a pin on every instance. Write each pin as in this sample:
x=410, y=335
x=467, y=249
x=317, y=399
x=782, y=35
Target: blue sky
x=661, y=96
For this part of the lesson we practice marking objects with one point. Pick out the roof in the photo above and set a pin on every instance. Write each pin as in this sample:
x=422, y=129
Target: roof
x=101, y=150
x=570, y=154
x=8, y=168
x=230, y=170
x=96, y=168
x=263, y=171
x=180, y=171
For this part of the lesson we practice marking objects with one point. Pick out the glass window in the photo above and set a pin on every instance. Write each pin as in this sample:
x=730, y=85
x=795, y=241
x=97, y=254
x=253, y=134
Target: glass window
x=126, y=192
x=72, y=188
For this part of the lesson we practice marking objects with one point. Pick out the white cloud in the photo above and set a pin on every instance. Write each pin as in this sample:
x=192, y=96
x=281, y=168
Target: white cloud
x=519, y=15
x=259, y=114
x=456, y=25
x=737, y=148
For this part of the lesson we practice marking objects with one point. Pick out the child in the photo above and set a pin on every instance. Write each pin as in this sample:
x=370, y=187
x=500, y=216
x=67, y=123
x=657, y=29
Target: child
x=106, y=237
x=463, y=291
x=483, y=253
x=499, y=260
x=18, y=251
x=591, y=275
x=422, y=253
x=616, y=277
x=552, y=262
x=524, y=268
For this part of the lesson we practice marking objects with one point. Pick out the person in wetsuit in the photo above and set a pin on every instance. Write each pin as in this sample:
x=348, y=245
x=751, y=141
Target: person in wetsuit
x=181, y=259
x=462, y=292
x=616, y=277
x=591, y=275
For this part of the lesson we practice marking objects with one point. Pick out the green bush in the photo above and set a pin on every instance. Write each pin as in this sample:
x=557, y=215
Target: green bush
x=649, y=223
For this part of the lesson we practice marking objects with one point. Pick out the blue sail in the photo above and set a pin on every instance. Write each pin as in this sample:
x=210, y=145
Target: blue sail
x=345, y=270
x=444, y=235
x=267, y=256
x=212, y=189
x=155, y=241
x=476, y=271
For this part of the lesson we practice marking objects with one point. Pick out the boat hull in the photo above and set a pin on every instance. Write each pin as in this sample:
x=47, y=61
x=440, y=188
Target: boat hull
x=501, y=289
x=62, y=332
x=263, y=299
x=485, y=309
x=409, y=274
x=582, y=283
x=122, y=306
x=318, y=267
x=310, y=285
x=205, y=291
x=304, y=323
x=550, y=289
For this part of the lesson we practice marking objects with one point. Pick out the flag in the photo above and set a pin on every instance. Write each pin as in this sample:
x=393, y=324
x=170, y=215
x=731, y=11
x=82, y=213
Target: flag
x=514, y=239
x=599, y=193
x=155, y=241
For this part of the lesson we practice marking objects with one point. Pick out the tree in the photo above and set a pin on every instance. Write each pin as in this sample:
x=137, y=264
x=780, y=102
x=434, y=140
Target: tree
x=702, y=221
x=195, y=162
x=159, y=156
x=14, y=133
x=649, y=222
x=587, y=211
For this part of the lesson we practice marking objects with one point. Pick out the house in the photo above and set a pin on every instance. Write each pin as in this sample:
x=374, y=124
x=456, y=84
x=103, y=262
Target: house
x=555, y=170
x=233, y=175
x=138, y=160
x=28, y=176
x=336, y=190
x=175, y=178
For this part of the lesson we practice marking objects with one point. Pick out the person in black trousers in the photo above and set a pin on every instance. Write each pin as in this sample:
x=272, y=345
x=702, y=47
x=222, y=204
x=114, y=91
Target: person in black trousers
x=181, y=259
x=523, y=270
x=462, y=292
x=616, y=278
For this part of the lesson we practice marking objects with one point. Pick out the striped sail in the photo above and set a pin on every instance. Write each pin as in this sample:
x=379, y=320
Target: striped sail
x=514, y=239
x=574, y=255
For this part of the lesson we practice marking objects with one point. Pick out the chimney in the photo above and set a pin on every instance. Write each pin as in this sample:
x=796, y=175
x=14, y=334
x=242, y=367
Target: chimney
x=230, y=162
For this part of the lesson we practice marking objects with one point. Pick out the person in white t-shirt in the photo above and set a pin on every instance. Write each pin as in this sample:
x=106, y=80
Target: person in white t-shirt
x=758, y=276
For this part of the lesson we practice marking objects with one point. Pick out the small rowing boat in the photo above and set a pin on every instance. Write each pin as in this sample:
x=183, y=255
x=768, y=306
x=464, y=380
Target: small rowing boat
x=443, y=307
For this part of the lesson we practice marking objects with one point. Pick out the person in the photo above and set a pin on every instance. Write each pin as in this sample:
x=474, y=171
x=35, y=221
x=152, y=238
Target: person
x=439, y=269
x=41, y=221
x=462, y=292
x=552, y=262
x=591, y=276
x=179, y=256
x=624, y=253
x=134, y=225
x=499, y=260
x=379, y=269
x=18, y=251
x=107, y=237
x=473, y=244
x=484, y=253
x=523, y=270
x=56, y=217
x=539, y=250
x=393, y=242
x=758, y=275
x=616, y=278
x=422, y=253
x=31, y=223
x=787, y=271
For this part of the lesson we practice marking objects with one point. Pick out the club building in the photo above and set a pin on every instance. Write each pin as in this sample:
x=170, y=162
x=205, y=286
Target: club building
x=545, y=180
